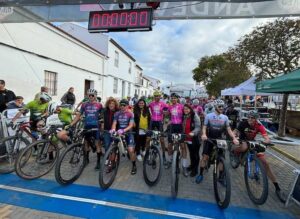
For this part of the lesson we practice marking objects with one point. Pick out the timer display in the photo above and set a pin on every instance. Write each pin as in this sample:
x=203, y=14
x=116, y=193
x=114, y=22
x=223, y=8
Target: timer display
x=139, y=19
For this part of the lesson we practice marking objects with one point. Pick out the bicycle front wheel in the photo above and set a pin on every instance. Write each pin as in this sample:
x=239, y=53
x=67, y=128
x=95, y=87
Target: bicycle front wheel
x=175, y=174
x=152, y=165
x=256, y=181
x=70, y=164
x=222, y=184
x=36, y=160
x=109, y=167
x=9, y=149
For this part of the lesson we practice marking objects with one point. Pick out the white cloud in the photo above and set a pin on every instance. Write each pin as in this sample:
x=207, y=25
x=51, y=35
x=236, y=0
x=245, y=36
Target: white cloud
x=173, y=48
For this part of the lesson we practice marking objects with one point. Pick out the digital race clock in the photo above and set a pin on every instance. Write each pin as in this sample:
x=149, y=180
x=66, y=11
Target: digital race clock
x=139, y=19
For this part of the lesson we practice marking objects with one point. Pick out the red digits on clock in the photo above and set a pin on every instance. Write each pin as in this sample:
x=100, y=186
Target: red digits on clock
x=123, y=19
x=114, y=19
x=105, y=20
x=143, y=18
x=133, y=19
x=96, y=20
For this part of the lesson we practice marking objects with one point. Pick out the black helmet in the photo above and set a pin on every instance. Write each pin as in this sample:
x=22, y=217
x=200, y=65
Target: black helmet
x=253, y=114
x=174, y=95
x=124, y=102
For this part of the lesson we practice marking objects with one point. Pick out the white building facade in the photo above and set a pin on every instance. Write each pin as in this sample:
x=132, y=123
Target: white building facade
x=36, y=54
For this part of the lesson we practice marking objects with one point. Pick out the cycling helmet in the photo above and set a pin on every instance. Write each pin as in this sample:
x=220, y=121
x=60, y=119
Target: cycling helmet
x=156, y=93
x=182, y=101
x=174, y=95
x=52, y=107
x=45, y=97
x=124, y=102
x=218, y=103
x=209, y=105
x=252, y=113
x=195, y=102
x=92, y=91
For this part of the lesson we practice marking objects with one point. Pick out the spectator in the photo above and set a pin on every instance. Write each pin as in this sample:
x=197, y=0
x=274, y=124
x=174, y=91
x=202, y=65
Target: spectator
x=16, y=104
x=5, y=96
x=69, y=97
x=44, y=89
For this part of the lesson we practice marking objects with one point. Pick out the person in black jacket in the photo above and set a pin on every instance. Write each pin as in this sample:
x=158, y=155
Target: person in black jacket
x=69, y=97
x=142, y=118
x=5, y=96
x=111, y=106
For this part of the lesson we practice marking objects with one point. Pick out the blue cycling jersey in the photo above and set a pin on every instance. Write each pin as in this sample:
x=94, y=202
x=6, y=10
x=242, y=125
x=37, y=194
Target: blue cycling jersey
x=216, y=124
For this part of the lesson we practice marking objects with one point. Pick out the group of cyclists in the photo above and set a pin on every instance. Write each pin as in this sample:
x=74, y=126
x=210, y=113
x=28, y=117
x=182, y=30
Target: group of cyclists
x=197, y=121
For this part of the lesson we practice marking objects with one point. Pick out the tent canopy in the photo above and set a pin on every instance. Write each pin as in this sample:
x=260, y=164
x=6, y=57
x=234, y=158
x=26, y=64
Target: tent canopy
x=288, y=83
x=244, y=89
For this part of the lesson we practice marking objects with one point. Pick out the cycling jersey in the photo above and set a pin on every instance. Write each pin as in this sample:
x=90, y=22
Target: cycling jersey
x=123, y=119
x=36, y=109
x=248, y=132
x=216, y=124
x=91, y=111
x=198, y=109
x=65, y=116
x=176, y=112
x=156, y=109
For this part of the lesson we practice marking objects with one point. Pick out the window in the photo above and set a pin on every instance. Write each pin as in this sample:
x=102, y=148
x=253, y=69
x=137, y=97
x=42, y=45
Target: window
x=115, y=87
x=116, y=59
x=129, y=70
x=51, y=82
x=129, y=89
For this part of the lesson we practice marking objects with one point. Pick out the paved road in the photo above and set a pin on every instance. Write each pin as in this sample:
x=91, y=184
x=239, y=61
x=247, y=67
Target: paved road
x=86, y=200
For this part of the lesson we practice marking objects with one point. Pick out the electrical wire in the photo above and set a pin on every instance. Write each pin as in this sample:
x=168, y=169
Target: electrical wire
x=180, y=6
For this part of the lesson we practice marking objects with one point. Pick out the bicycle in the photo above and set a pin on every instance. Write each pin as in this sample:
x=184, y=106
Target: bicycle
x=255, y=174
x=73, y=160
x=221, y=176
x=12, y=145
x=153, y=160
x=111, y=160
x=38, y=158
x=176, y=138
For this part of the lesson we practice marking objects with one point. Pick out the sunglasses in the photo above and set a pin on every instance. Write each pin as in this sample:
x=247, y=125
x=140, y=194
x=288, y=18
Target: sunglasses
x=220, y=107
x=122, y=104
x=251, y=117
x=91, y=95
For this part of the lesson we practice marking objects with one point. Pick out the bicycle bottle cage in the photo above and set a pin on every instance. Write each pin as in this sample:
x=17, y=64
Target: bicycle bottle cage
x=222, y=144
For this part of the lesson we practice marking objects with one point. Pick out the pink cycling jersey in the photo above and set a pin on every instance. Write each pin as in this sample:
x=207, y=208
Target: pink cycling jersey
x=176, y=112
x=156, y=109
x=198, y=109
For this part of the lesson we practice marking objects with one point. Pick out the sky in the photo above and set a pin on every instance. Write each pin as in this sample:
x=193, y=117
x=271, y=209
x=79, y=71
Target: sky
x=173, y=48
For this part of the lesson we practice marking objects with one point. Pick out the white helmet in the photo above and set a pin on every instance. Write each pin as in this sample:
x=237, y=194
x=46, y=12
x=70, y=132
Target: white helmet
x=182, y=101
x=195, y=102
x=218, y=103
x=92, y=91
x=45, y=97
x=52, y=107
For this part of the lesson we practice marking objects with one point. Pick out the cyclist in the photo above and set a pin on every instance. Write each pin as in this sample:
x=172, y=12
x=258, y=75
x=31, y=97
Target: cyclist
x=91, y=110
x=124, y=121
x=176, y=114
x=215, y=124
x=233, y=115
x=157, y=115
x=37, y=108
x=209, y=108
x=63, y=111
x=247, y=131
x=198, y=109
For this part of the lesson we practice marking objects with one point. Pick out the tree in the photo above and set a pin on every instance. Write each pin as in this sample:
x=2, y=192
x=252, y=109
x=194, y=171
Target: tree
x=272, y=49
x=219, y=72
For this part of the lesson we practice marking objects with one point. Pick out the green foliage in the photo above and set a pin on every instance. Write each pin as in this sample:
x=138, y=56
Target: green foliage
x=219, y=72
x=271, y=49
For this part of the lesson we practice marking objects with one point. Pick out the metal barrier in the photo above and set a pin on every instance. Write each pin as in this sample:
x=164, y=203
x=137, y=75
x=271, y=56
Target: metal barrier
x=6, y=117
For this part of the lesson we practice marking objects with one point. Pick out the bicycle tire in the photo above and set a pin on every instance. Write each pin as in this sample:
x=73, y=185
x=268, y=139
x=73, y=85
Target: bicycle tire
x=154, y=150
x=75, y=148
x=114, y=149
x=175, y=174
x=222, y=203
x=264, y=195
x=20, y=164
x=10, y=167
